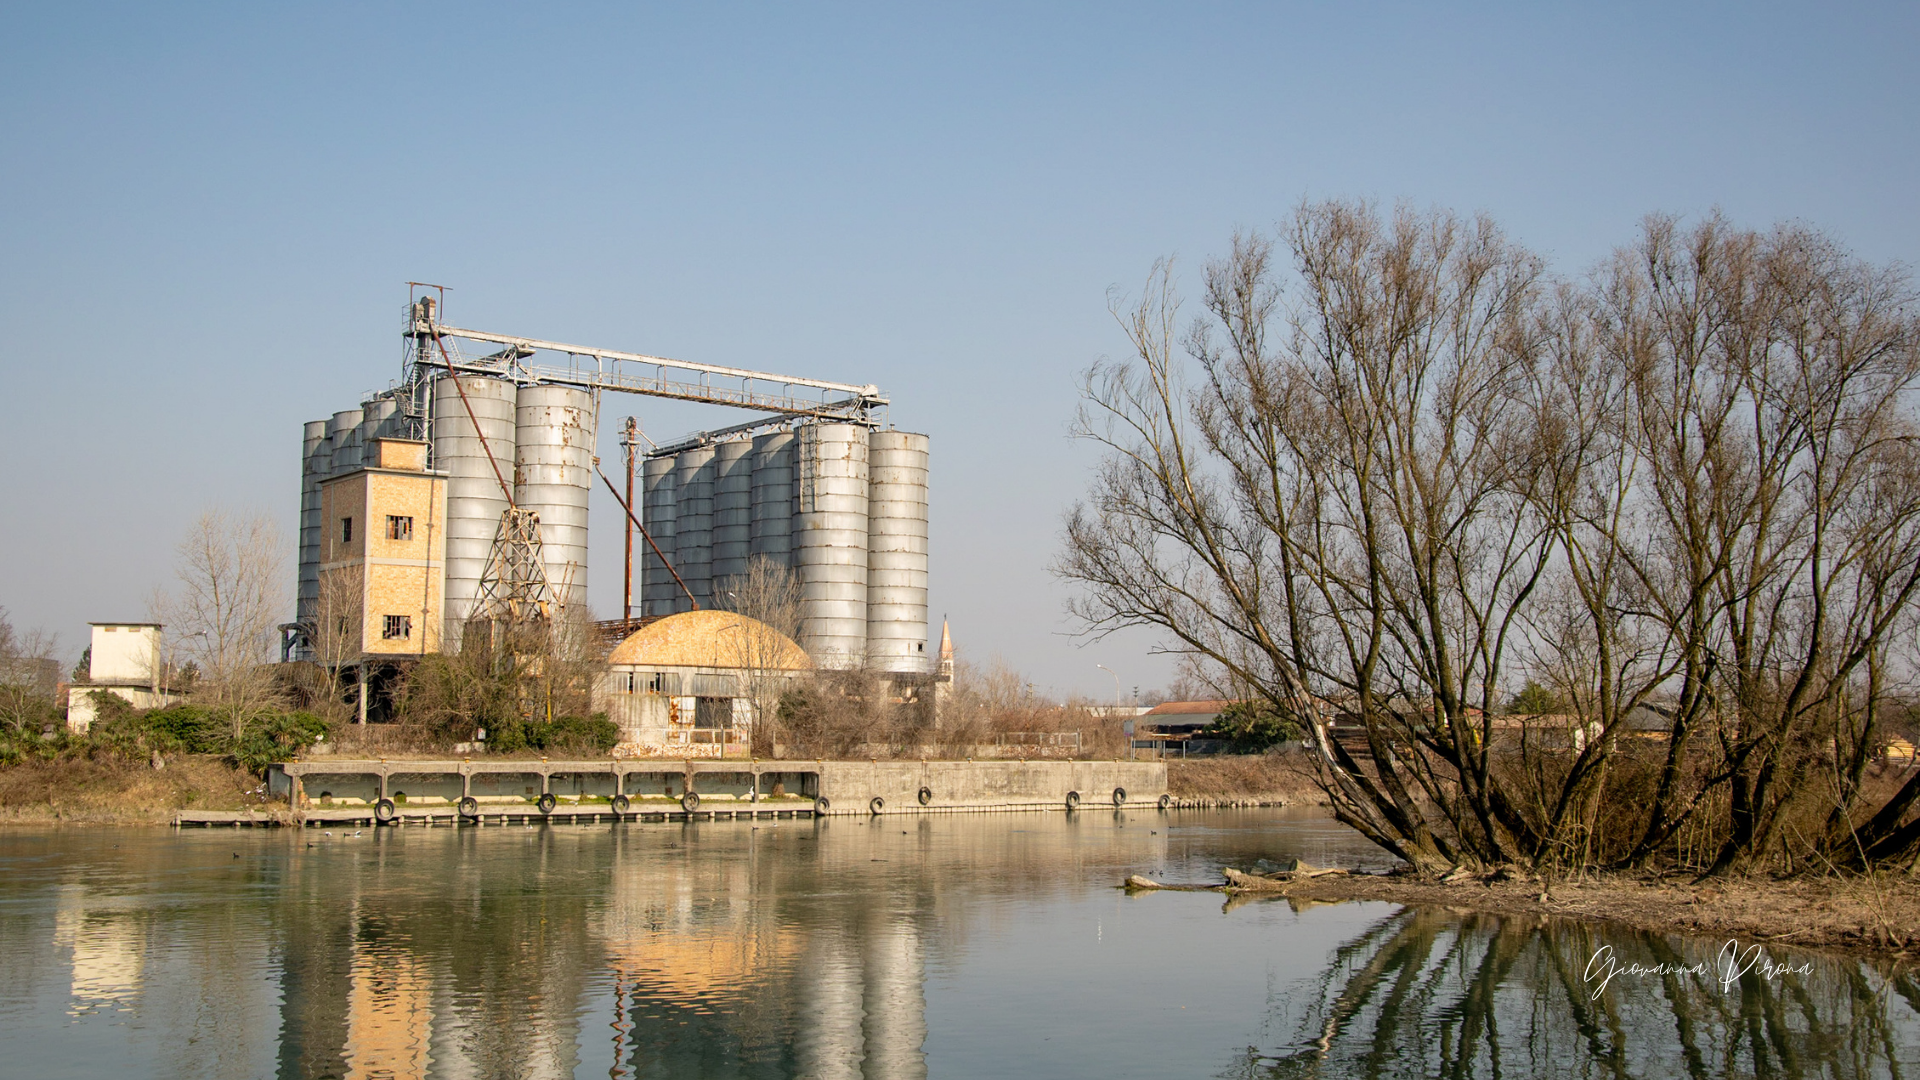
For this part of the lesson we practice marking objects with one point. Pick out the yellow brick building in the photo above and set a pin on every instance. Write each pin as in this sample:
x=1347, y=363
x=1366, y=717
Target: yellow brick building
x=383, y=565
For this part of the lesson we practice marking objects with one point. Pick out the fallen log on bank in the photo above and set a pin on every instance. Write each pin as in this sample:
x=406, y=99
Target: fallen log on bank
x=1251, y=882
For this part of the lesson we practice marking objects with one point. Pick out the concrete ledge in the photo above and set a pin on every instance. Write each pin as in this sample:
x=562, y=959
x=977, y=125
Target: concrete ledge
x=848, y=787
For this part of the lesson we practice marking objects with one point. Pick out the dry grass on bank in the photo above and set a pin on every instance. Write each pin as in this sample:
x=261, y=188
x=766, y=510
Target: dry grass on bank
x=117, y=792
x=1285, y=777
x=1877, y=915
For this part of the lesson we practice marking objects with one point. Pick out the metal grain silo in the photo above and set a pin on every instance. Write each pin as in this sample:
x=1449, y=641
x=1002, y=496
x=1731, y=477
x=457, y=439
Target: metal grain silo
x=732, y=512
x=773, y=495
x=553, y=474
x=693, y=524
x=475, y=500
x=658, y=592
x=897, y=552
x=343, y=442
x=315, y=460
x=830, y=543
x=379, y=419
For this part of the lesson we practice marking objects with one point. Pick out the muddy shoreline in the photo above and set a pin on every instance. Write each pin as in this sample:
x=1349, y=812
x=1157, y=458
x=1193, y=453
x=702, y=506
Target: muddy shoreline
x=1876, y=918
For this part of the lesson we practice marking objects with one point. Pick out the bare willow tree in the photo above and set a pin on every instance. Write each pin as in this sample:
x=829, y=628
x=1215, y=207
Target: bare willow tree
x=28, y=672
x=223, y=614
x=339, y=618
x=768, y=594
x=1421, y=470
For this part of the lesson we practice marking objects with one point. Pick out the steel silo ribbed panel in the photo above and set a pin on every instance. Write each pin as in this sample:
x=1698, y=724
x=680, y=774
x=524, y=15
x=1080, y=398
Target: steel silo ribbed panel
x=474, y=499
x=314, y=462
x=897, y=552
x=378, y=420
x=553, y=474
x=657, y=588
x=732, y=508
x=693, y=524
x=773, y=496
x=343, y=436
x=830, y=542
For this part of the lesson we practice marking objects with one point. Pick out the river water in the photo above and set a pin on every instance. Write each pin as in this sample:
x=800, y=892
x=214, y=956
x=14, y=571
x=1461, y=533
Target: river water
x=963, y=946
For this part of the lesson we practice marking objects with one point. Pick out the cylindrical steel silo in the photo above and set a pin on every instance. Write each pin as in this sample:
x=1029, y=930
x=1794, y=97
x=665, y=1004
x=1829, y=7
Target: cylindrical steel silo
x=314, y=463
x=773, y=496
x=897, y=552
x=379, y=419
x=659, y=594
x=553, y=474
x=693, y=524
x=343, y=442
x=830, y=543
x=475, y=500
x=732, y=513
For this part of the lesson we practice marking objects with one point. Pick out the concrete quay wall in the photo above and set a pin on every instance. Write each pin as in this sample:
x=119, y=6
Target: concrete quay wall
x=851, y=786
x=828, y=787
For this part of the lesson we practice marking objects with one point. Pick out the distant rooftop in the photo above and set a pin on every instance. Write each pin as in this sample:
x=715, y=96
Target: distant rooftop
x=1188, y=708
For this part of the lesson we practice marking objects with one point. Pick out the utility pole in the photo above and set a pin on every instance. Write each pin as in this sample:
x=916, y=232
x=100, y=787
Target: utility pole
x=626, y=596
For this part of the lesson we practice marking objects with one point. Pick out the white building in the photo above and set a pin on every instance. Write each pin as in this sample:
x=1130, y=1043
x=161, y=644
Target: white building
x=125, y=660
x=689, y=685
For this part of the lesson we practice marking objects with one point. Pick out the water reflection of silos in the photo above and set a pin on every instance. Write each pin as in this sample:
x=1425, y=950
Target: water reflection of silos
x=831, y=1043
x=552, y=476
x=830, y=543
x=895, y=1003
x=657, y=589
x=897, y=552
x=475, y=499
x=773, y=496
x=732, y=513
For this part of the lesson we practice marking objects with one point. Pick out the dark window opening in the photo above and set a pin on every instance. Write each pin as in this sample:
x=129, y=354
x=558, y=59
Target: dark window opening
x=399, y=528
x=712, y=712
x=346, y=530
x=397, y=627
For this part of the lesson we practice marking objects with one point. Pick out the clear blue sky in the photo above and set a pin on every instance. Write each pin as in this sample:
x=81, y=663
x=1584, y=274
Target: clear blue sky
x=208, y=215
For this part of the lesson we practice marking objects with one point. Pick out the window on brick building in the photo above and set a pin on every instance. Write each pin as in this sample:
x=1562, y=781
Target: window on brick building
x=396, y=627
x=346, y=530
x=399, y=528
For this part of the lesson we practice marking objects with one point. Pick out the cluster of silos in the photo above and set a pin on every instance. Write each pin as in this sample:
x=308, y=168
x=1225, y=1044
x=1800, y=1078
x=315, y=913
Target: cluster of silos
x=841, y=506
x=328, y=448
x=486, y=432
x=538, y=440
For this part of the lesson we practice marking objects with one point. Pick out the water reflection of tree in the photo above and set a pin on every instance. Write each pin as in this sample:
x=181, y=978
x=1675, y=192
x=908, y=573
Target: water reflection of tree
x=1435, y=993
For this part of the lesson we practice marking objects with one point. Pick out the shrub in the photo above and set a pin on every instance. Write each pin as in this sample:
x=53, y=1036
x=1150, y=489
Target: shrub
x=576, y=734
x=1253, y=726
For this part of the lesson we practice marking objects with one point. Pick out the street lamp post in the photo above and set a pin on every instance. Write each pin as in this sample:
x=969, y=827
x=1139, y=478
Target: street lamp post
x=1116, y=683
